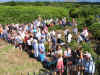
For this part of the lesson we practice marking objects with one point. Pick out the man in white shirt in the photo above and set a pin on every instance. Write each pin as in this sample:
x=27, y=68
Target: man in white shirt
x=66, y=33
x=35, y=47
x=69, y=38
x=29, y=42
x=22, y=34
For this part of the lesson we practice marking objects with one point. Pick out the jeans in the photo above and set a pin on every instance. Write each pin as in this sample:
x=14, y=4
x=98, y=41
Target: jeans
x=0, y=36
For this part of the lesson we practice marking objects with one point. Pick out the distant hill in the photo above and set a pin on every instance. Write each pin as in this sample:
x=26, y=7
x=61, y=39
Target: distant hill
x=52, y=0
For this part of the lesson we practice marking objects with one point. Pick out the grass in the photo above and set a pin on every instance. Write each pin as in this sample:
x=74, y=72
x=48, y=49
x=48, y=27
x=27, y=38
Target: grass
x=11, y=63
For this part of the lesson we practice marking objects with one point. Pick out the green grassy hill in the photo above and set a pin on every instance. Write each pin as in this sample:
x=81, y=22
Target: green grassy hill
x=13, y=64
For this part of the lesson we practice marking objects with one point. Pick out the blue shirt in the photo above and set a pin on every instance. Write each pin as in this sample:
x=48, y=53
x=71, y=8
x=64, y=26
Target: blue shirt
x=42, y=57
x=41, y=47
x=89, y=66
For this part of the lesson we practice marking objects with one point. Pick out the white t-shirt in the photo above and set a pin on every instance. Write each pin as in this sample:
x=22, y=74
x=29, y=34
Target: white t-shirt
x=22, y=35
x=59, y=36
x=66, y=31
x=69, y=36
x=85, y=33
x=35, y=42
x=67, y=53
x=53, y=32
x=38, y=35
x=29, y=42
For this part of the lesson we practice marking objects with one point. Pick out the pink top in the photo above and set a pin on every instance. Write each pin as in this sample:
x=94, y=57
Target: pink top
x=60, y=64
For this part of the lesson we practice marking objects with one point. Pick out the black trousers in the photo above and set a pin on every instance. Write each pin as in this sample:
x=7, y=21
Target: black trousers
x=86, y=73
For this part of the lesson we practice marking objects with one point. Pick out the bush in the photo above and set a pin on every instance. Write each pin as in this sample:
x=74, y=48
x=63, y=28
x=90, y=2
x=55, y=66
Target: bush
x=56, y=27
x=95, y=29
x=73, y=45
x=84, y=12
x=87, y=47
x=89, y=20
x=74, y=12
x=22, y=14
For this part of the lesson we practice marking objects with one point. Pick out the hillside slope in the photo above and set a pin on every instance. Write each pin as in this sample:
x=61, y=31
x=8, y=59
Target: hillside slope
x=11, y=62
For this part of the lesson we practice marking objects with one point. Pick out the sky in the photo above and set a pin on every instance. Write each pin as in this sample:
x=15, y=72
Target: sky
x=53, y=0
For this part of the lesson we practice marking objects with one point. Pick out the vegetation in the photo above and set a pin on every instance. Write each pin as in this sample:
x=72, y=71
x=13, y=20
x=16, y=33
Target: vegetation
x=95, y=29
x=22, y=14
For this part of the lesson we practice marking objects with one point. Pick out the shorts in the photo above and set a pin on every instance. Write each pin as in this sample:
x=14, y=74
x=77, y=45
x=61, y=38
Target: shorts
x=29, y=47
x=20, y=44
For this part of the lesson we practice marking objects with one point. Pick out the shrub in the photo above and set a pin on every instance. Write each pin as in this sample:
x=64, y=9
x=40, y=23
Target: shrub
x=74, y=12
x=73, y=44
x=89, y=20
x=87, y=47
x=56, y=27
x=84, y=12
x=95, y=29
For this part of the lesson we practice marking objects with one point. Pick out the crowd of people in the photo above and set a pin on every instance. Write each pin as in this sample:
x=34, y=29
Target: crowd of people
x=47, y=46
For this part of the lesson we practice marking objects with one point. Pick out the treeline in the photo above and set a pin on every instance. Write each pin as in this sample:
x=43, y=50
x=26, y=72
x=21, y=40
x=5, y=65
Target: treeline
x=60, y=4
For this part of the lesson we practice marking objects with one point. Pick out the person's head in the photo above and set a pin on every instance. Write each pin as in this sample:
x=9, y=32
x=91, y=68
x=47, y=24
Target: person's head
x=85, y=28
x=58, y=47
x=41, y=51
x=59, y=55
x=18, y=34
x=42, y=32
x=0, y=25
x=87, y=56
x=68, y=48
x=79, y=48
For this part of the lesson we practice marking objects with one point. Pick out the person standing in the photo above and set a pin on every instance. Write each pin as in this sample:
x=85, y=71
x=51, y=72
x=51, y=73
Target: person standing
x=89, y=65
x=67, y=59
x=42, y=55
x=69, y=37
x=35, y=47
x=60, y=65
x=1, y=31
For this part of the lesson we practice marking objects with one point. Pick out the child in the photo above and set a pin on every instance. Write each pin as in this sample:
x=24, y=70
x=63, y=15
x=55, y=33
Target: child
x=60, y=65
